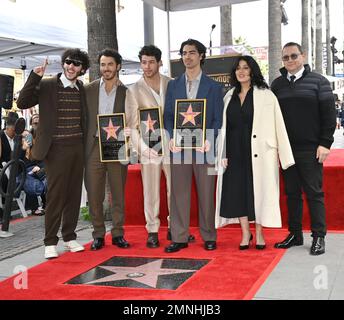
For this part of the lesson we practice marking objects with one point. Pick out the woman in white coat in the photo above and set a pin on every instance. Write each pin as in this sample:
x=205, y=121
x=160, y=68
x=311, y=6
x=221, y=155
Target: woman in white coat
x=253, y=137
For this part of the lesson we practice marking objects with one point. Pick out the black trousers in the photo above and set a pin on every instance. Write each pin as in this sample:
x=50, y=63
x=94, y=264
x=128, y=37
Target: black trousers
x=307, y=176
x=31, y=202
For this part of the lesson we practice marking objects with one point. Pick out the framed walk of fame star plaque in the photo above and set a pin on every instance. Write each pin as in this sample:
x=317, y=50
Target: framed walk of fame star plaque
x=189, y=123
x=151, y=128
x=113, y=145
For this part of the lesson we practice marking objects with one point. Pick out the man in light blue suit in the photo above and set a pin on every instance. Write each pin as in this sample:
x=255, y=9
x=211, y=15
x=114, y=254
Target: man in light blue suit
x=193, y=84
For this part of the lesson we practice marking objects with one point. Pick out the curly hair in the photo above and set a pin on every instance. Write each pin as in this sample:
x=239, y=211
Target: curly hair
x=257, y=78
x=77, y=54
x=151, y=51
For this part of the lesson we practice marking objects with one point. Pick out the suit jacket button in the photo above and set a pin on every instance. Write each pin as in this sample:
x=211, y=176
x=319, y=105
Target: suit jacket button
x=254, y=136
x=256, y=155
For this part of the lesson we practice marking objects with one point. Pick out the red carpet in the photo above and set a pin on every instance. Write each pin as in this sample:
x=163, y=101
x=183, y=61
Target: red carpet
x=231, y=274
x=333, y=189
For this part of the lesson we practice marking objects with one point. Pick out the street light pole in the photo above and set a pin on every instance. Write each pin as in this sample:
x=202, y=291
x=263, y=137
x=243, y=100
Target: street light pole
x=334, y=51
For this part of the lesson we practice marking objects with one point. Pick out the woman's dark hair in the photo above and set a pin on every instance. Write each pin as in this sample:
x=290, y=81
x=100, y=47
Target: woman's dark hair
x=199, y=46
x=109, y=52
x=257, y=78
x=151, y=51
x=77, y=54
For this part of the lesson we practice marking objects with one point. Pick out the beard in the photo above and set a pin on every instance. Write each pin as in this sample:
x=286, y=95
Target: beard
x=108, y=75
x=73, y=77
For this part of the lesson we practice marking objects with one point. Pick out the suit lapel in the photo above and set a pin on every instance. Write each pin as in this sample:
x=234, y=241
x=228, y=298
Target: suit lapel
x=257, y=112
x=94, y=103
x=54, y=94
x=147, y=93
x=119, y=100
x=181, y=88
x=203, y=88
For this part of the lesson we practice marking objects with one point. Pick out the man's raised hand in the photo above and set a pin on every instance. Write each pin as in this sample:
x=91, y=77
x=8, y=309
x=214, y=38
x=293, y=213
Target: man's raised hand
x=41, y=69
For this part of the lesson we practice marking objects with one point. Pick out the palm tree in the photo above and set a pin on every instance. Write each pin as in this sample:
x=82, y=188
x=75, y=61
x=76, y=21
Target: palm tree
x=318, y=37
x=101, y=26
x=328, y=37
x=275, y=16
x=305, y=25
x=226, y=25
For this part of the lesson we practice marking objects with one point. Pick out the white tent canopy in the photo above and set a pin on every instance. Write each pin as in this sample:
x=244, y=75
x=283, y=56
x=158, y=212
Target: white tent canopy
x=26, y=39
x=25, y=42
x=180, y=5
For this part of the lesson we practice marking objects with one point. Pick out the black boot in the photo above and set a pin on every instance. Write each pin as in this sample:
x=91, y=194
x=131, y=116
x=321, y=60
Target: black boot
x=318, y=246
x=290, y=241
x=153, y=240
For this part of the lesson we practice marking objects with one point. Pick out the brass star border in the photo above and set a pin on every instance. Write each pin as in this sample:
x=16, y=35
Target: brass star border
x=140, y=272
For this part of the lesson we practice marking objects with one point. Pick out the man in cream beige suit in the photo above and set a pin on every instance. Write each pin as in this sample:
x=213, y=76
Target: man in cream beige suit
x=104, y=96
x=148, y=92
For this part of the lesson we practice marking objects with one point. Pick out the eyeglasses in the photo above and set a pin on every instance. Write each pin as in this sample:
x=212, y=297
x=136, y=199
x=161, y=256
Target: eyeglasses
x=293, y=56
x=34, y=123
x=76, y=63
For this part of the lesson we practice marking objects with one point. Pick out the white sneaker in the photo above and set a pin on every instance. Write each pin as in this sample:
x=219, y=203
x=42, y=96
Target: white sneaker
x=73, y=246
x=50, y=252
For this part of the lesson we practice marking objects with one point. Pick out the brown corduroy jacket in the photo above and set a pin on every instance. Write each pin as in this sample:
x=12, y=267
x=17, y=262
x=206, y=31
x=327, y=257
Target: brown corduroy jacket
x=44, y=93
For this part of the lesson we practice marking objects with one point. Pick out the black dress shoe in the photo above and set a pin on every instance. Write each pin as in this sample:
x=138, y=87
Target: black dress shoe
x=153, y=240
x=318, y=246
x=210, y=245
x=120, y=242
x=191, y=237
x=246, y=246
x=290, y=241
x=260, y=246
x=97, y=244
x=175, y=246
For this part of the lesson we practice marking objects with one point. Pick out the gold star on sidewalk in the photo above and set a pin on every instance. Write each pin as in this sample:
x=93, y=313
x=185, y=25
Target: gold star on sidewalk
x=189, y=115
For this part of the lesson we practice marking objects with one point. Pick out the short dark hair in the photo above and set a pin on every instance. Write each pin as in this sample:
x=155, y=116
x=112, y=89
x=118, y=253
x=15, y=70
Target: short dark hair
x=109, y=52
x=77, y=54
x=293, y=44
x=257, y=78
x=11, y=118
x=199, y=46
x=151, y=51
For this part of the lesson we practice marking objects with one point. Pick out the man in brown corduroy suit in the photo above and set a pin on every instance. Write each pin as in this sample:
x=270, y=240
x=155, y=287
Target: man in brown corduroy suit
x=105, y=96
x=59, y=142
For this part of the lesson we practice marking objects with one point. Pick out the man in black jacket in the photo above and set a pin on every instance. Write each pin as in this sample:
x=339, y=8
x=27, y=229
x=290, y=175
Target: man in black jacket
x=308, y=108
